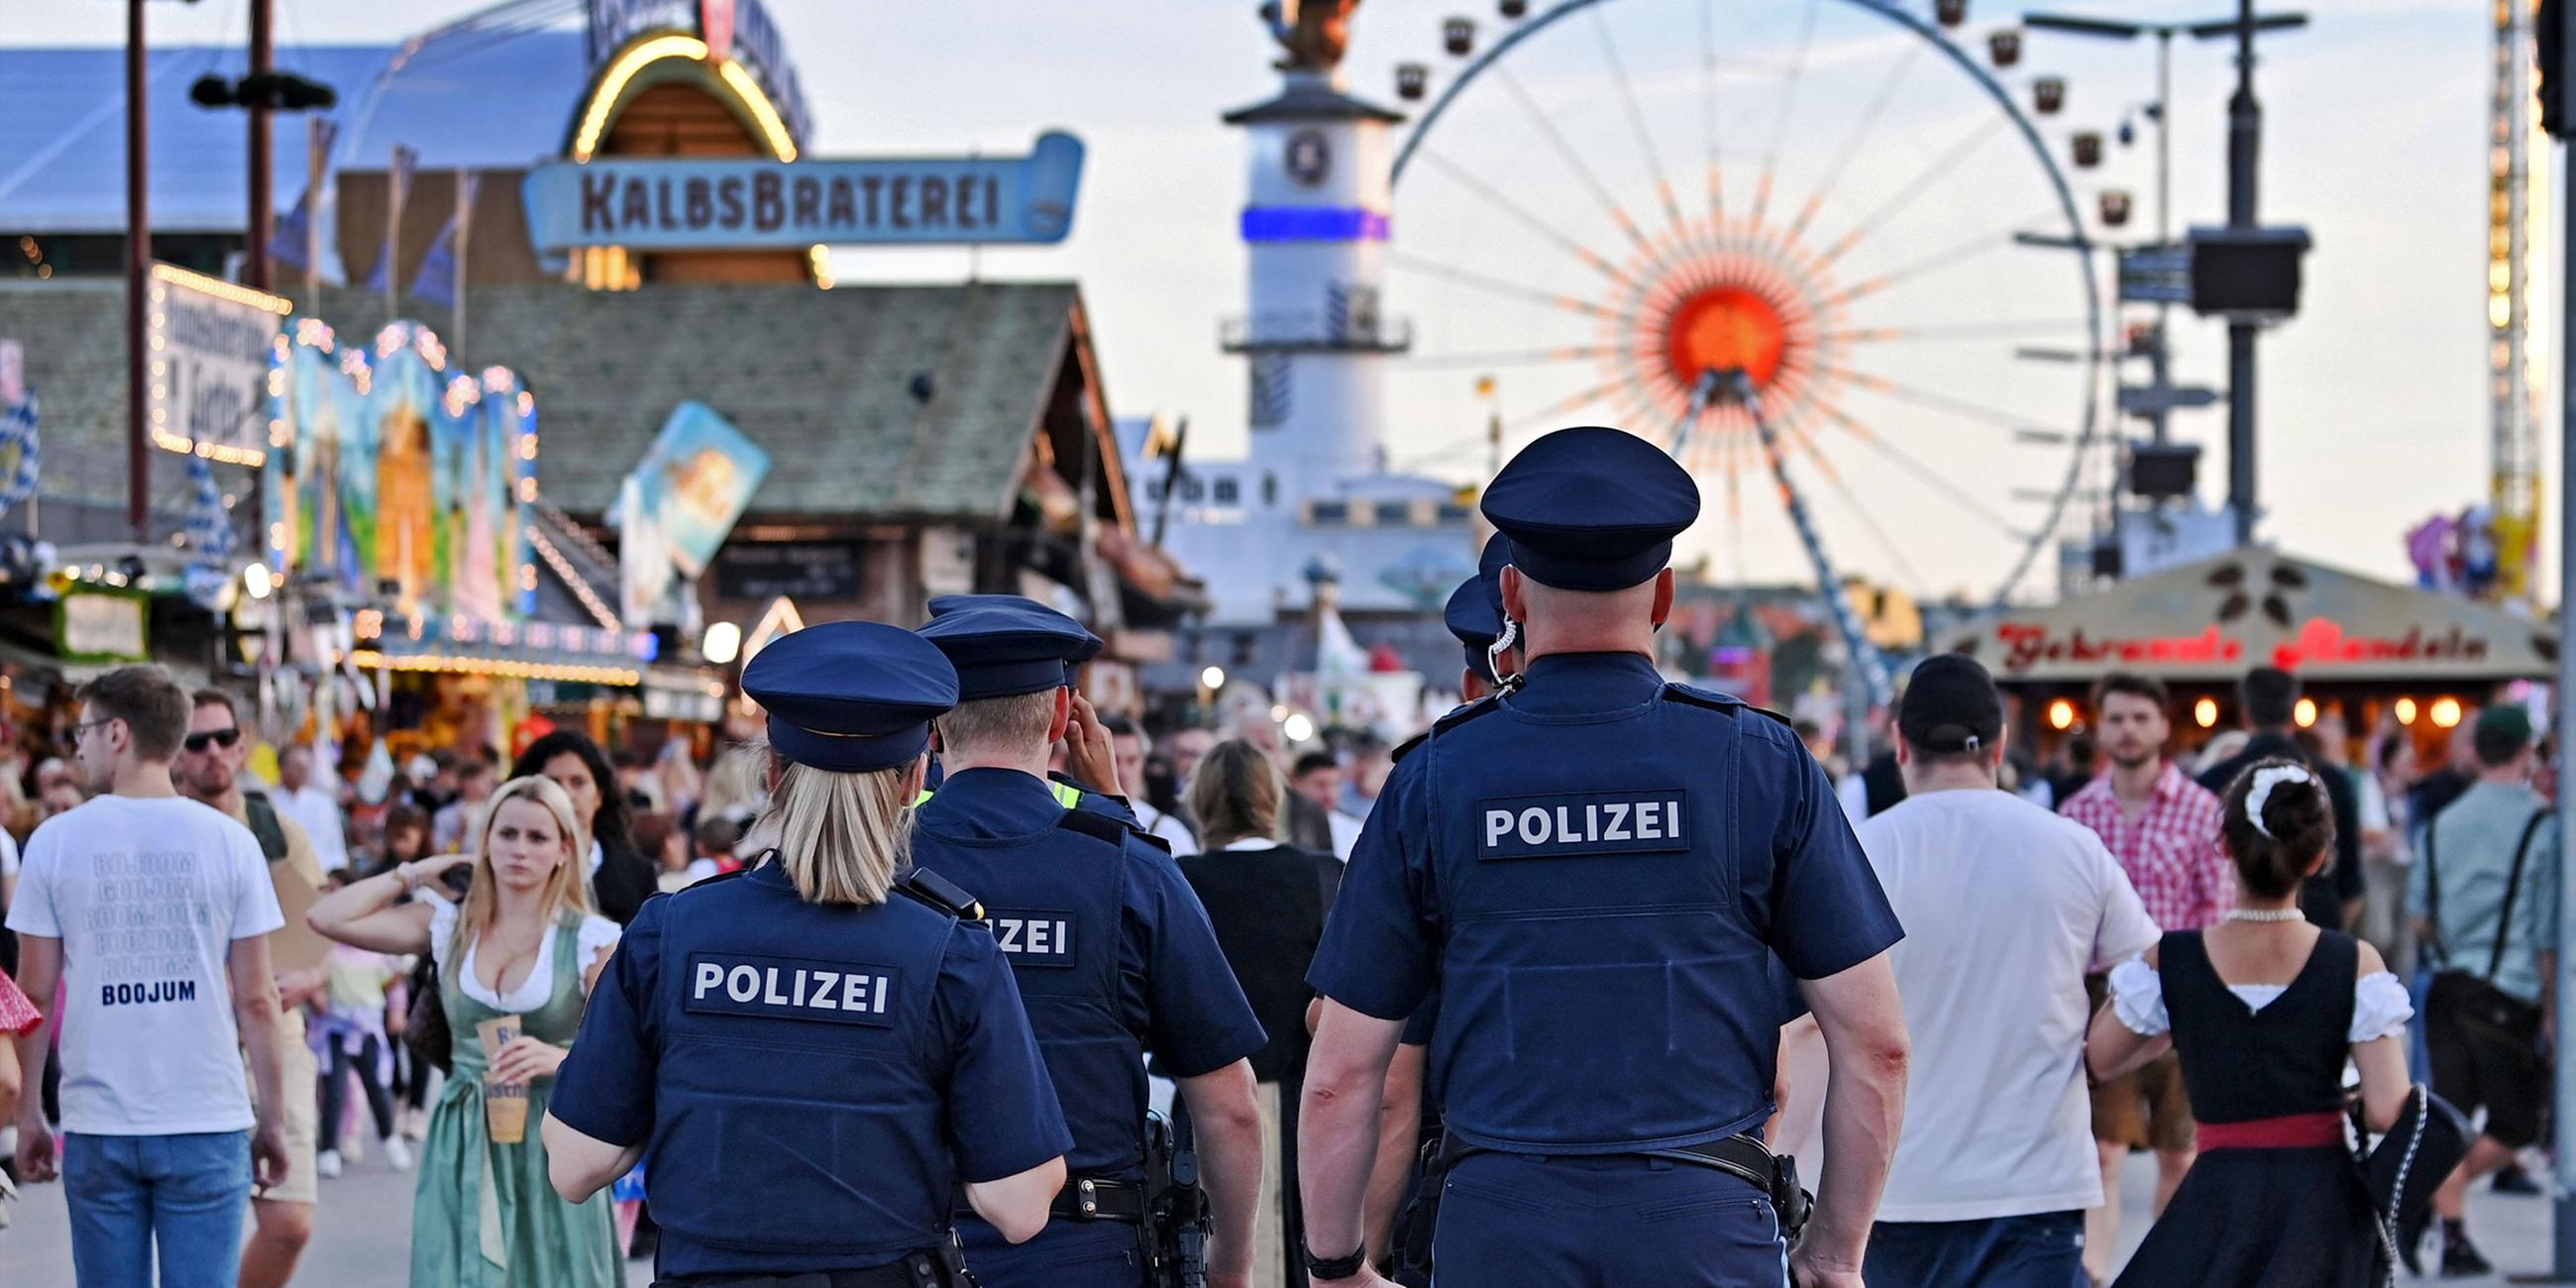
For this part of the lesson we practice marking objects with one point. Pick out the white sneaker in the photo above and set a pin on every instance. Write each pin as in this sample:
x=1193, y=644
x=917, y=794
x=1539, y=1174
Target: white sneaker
x=397, y=1154
x=327, y=1164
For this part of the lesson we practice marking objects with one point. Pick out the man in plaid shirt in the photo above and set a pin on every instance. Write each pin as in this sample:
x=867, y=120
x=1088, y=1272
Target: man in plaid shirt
x=2163, y=829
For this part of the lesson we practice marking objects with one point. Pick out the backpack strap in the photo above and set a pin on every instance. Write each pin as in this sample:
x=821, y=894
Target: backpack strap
x=261, y=816
x=2512, y=889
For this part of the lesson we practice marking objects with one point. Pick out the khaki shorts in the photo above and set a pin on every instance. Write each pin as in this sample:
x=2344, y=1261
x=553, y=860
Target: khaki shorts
x=298, y=1071
x=2146, y=1108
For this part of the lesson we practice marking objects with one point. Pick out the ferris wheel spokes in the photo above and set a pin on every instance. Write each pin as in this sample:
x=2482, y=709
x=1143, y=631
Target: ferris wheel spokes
x=1522, y=215
x=1637, y=118
x=1573, y=160
x=1788, y=105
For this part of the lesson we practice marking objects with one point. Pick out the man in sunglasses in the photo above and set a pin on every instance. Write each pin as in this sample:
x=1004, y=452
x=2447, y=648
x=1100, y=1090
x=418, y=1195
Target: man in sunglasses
x=209, y=770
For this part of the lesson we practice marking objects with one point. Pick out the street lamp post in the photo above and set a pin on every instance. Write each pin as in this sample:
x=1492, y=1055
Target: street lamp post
x=2244, y=145
x=138, y=281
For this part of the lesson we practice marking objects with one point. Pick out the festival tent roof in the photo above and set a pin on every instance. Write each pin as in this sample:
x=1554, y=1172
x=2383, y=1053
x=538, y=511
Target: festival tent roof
x=2216, y=619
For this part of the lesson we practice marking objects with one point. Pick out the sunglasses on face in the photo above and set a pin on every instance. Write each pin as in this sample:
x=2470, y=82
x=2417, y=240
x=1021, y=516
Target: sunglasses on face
x=198, y=742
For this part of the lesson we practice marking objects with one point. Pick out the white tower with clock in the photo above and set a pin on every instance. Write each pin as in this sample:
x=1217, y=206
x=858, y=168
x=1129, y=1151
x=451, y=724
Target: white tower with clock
x=1314, y=228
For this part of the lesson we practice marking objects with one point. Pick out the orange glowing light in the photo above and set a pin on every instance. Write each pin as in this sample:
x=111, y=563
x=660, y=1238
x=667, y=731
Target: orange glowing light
x=1726, y=328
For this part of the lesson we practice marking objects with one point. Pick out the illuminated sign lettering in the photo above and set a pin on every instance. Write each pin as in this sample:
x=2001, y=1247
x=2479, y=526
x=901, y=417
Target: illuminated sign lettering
x=2028, y=644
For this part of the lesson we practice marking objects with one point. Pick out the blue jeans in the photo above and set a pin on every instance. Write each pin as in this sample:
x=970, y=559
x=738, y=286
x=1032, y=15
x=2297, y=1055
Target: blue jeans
x=184, y=1192
x=2041, y=1250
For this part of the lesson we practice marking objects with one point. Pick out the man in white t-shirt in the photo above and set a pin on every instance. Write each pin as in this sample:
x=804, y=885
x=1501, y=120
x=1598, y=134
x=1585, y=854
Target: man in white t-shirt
x=312, y=804
x=154, y=913
x=2006, y=908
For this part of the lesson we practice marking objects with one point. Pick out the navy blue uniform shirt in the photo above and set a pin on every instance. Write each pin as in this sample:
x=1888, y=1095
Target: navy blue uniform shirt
x=1114, y=953
x=1599, y=872
x=812, y=1080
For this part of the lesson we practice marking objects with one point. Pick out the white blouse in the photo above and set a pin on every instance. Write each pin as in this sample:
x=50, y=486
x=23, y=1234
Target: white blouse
x=2380, y=1005
x=596, y=934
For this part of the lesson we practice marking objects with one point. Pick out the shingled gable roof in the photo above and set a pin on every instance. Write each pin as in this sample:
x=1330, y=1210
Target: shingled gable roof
x=822, y=379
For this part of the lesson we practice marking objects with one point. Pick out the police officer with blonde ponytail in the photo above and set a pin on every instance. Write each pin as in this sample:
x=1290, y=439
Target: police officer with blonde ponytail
x=816, y=1053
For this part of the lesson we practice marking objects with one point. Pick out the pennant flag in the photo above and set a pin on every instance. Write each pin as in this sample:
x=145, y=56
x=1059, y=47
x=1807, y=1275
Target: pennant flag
x=397, y=190
x=293, y=245
x=294, y=238
x=438, y=269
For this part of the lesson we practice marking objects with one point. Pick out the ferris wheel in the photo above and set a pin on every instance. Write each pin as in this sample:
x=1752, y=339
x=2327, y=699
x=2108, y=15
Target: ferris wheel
x=1851, y=217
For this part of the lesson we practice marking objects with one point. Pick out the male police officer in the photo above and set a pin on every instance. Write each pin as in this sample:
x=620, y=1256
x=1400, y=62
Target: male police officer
x=1598, y=870
x=1474, y=614
x=1115, y=957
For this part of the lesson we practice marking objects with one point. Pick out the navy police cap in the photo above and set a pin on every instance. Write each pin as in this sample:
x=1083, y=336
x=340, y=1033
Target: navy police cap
x=1475, y=610
x=1003, y=645
x=851, y=696
x=1592, y=508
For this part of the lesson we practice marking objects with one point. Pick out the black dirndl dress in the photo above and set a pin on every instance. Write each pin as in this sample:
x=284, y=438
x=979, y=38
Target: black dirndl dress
x=2268, y=1217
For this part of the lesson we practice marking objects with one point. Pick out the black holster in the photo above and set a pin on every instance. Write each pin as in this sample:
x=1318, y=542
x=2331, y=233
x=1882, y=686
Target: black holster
x=1178, y=1223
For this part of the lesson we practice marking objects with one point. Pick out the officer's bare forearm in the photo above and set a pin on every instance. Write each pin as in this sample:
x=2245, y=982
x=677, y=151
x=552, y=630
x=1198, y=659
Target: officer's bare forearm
x=1227, y=1124
x=1864, y=1027
x=1399, y=1124
x=1337, y=1128
x=579, y=1164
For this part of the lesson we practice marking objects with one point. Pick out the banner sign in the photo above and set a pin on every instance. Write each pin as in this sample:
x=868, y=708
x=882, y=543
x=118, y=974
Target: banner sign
x=212, y=345
x=746, y=204
x=99, y=625
x=399, y=472
x=694, y=482
x=740, y=30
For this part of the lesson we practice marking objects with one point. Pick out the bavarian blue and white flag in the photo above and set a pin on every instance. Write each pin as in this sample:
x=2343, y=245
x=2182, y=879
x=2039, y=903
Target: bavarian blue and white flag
x=18, y=434
x=210, y=526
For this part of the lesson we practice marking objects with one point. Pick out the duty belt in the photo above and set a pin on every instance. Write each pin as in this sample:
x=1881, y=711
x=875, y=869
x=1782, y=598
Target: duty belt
x=1087, y=1198
x=940, y=1268
x=1742, y=1156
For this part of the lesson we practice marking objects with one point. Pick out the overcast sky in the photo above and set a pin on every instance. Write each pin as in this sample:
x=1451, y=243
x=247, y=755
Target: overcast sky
x=2373, y=403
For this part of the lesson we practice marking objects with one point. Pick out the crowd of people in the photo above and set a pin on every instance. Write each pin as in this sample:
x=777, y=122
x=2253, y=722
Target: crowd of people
x=900, y=988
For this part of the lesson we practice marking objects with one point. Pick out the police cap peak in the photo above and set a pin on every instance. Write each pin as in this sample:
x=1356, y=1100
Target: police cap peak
x=851, y=696
x=1592, y=508
x=1004, y=645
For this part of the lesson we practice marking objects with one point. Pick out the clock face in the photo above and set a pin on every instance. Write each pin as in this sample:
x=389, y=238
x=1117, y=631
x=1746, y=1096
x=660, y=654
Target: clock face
x=1309, y=157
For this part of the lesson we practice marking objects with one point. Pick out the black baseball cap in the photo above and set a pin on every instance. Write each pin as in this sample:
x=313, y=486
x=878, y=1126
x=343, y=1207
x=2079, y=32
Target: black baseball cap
x=1950, y=705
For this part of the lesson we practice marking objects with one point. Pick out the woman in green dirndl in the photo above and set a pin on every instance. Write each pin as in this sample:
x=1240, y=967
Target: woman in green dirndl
x=521, y=943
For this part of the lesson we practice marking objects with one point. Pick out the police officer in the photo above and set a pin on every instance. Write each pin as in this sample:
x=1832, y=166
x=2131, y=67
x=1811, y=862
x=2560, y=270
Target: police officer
x=816, y=1053
x=1114, y=954
x=1598, y=870
x=1089, y=780
x=1474, y=614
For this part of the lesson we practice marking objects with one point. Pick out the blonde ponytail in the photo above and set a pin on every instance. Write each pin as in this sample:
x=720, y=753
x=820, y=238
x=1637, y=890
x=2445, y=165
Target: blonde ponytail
x=841, y=837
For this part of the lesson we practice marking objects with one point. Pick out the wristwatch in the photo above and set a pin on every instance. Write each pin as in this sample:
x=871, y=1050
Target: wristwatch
x=1331, y=1268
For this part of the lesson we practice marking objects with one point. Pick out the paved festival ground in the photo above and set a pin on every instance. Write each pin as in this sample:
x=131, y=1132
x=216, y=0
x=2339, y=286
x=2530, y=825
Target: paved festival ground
x=365, y=1228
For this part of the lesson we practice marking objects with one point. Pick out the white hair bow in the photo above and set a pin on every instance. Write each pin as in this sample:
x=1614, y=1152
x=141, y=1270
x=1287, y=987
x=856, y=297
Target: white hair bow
x=2264, y=781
